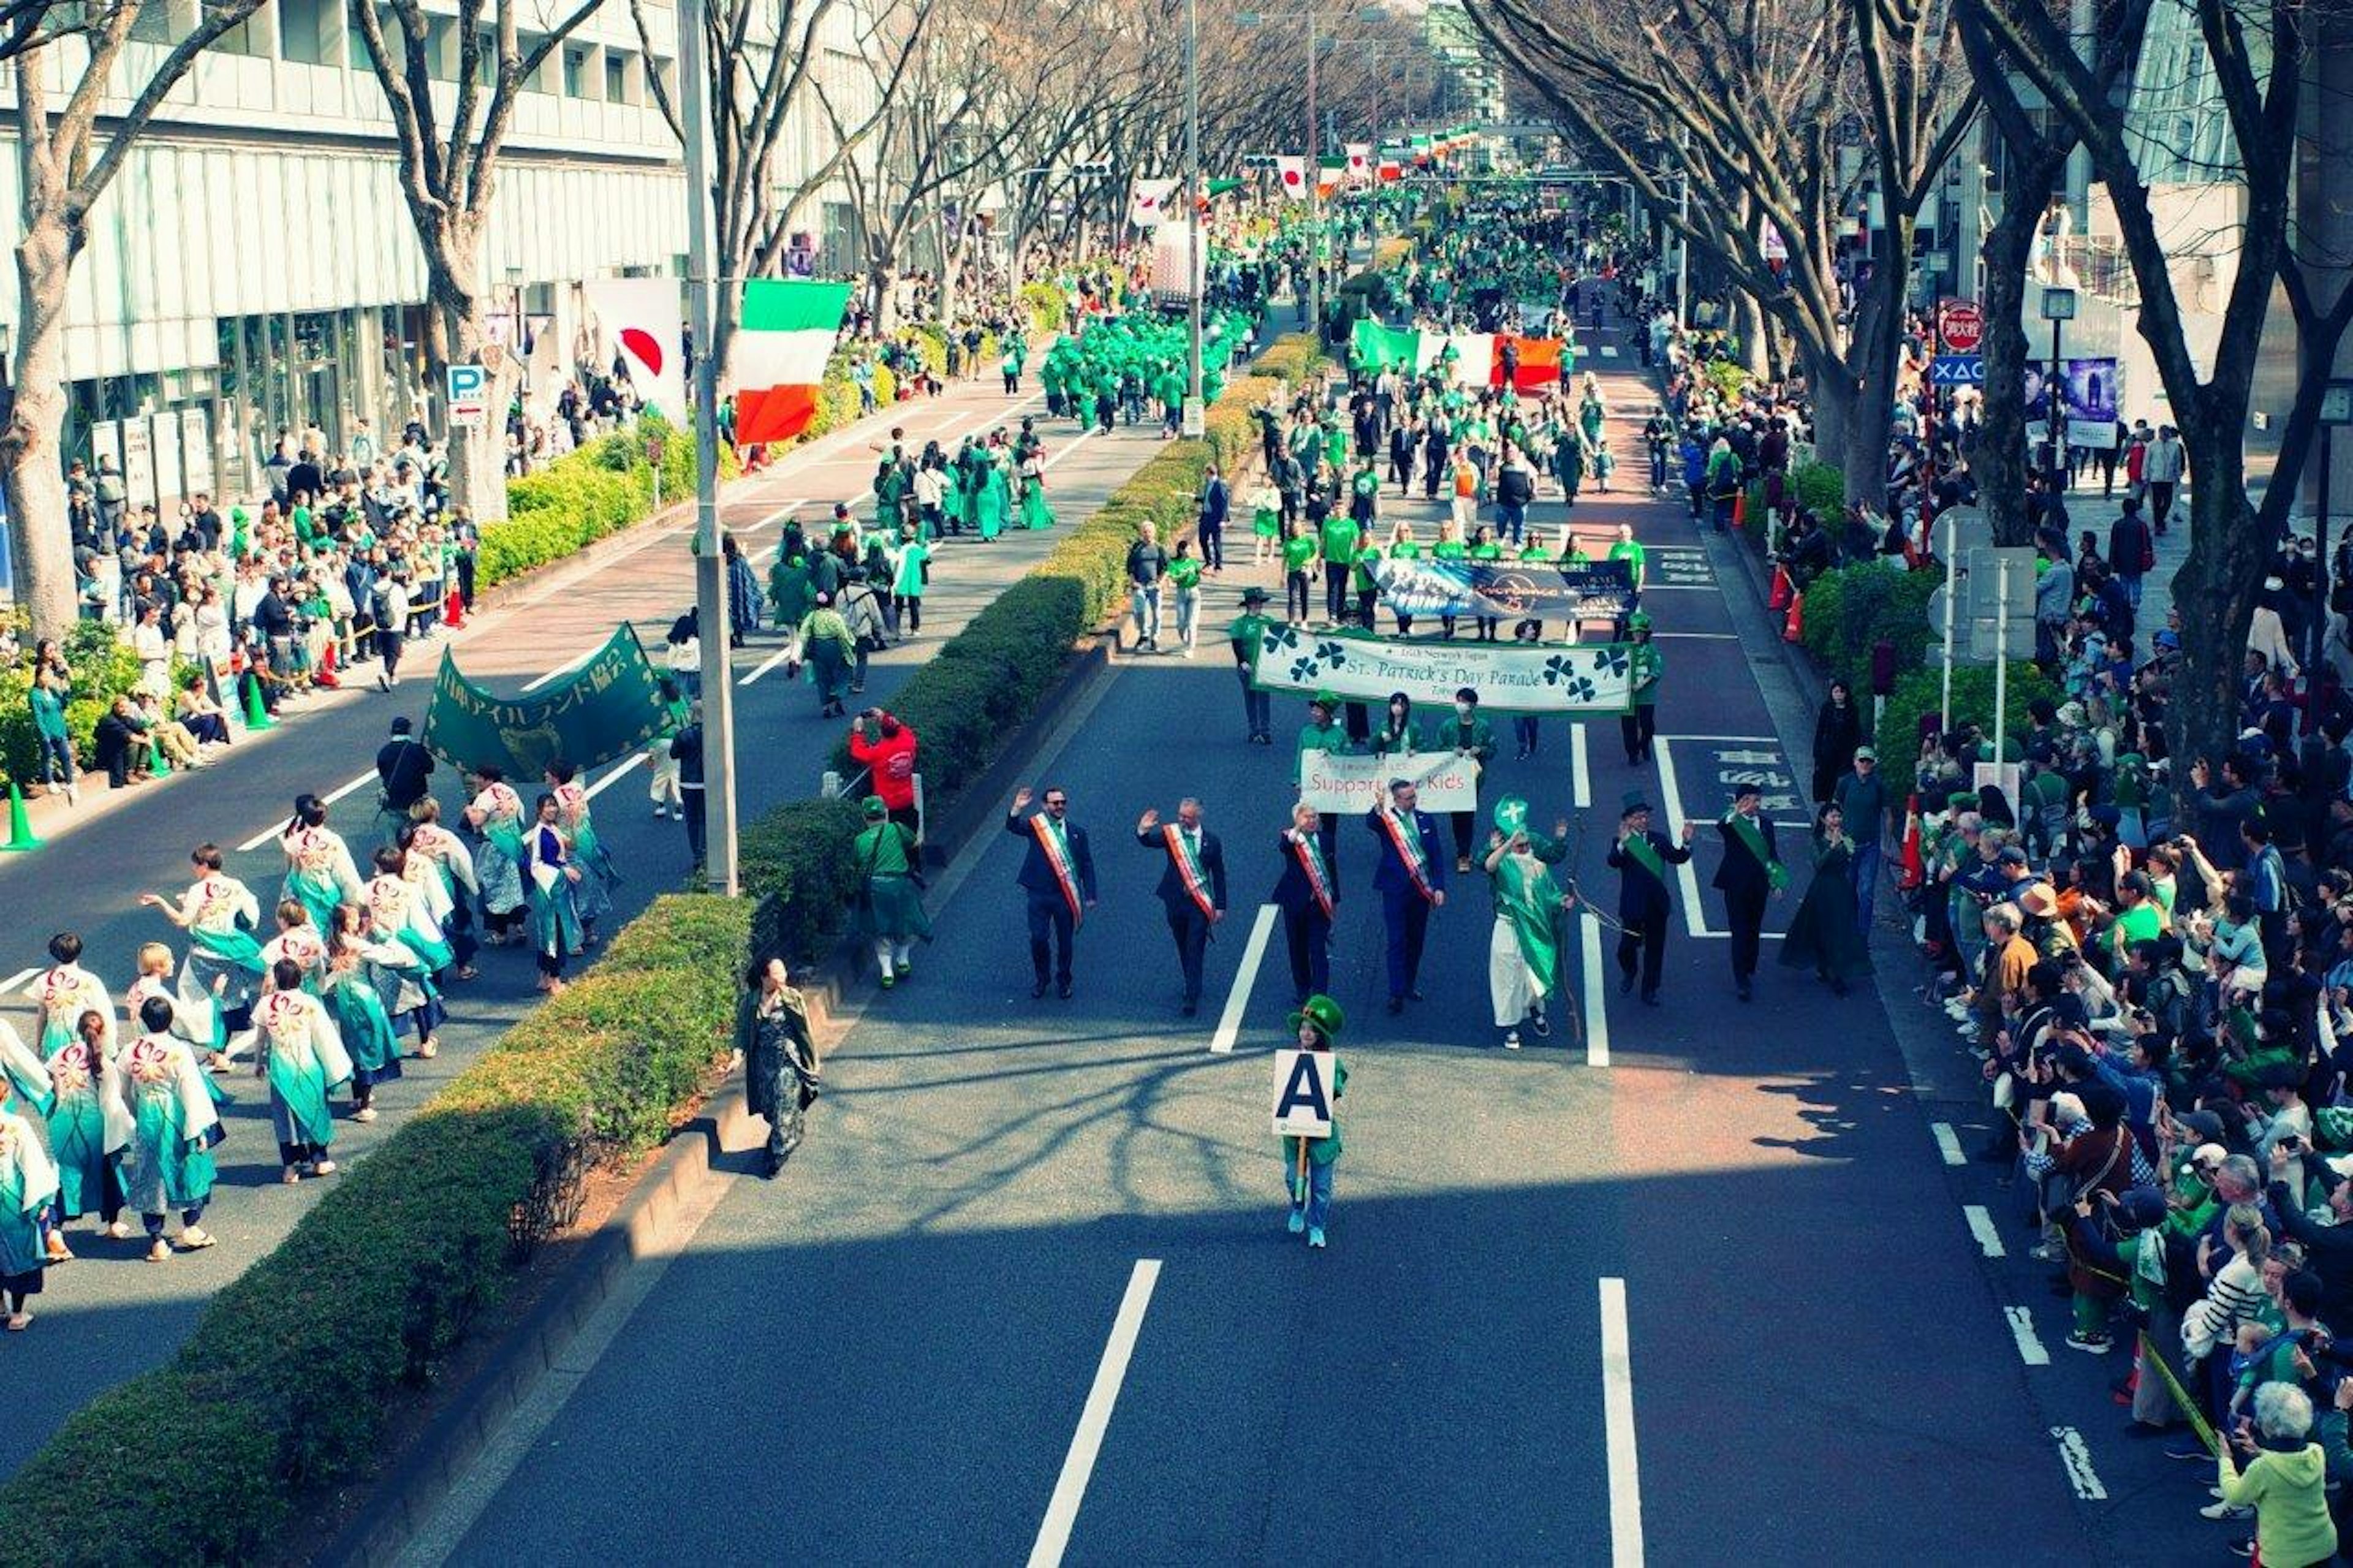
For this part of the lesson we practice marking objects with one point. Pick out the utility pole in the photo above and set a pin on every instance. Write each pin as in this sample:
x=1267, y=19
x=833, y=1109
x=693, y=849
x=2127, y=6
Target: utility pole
x=1314, y=195
x=1196, y=417
x=710, y=570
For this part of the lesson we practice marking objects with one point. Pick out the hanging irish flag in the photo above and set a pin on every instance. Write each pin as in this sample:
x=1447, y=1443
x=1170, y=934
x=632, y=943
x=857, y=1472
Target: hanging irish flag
x=1329, y=173
x=1421, y=148
x=782, y=342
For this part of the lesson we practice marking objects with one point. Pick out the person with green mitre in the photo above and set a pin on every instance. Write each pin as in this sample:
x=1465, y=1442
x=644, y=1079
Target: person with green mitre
x=1308, y=1161
x=1524, y=952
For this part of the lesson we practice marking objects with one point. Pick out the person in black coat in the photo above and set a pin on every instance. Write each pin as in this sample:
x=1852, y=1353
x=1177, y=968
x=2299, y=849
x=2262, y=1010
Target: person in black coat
x=1750, y=873
x=1192, y=886
x=1838, y=730
x=1411, y=880
x=1643, y=903
x=1307, y=895
x=1061, y=884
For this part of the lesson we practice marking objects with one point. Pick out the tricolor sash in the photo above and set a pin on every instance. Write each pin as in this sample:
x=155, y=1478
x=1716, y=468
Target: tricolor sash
x=1640, y=850
x=1311, y=862
x=1058, y=857
x=1408, y=847
x=1189, y=869
x=1744, y=828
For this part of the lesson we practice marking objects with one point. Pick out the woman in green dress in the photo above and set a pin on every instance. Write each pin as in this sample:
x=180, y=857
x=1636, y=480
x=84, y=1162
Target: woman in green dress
x=890, y=898
x=788, y=588
x=993, y=500
x=1035, y=513
x=1826, y=931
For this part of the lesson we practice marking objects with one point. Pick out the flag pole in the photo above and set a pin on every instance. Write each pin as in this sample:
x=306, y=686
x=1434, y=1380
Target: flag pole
x=1196, y=278
x=709, y=574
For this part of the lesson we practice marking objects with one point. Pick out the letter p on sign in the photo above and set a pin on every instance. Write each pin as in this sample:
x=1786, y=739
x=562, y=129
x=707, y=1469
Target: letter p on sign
x=470, y=393
x=1303, y=1094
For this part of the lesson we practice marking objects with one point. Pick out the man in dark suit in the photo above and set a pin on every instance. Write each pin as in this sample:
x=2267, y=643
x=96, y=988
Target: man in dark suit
x=1210, y=533
x=1307, y=895
x=1058, y=876
x=1641, y=858
x=1411, y=877
x=1751, y=873
x=1192, y=886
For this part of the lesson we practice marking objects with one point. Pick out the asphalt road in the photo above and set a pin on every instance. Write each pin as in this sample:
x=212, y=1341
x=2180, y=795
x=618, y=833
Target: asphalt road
x=109, y=1316
x=897, y=1350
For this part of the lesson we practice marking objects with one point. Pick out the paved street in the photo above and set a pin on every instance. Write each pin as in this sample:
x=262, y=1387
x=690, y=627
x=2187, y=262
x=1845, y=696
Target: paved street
x=110, y=1316
x=900, y=1337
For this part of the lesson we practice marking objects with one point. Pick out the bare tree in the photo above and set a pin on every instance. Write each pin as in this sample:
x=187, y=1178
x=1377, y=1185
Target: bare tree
x=449, y=173
x=763, y=58
x=2259, y=52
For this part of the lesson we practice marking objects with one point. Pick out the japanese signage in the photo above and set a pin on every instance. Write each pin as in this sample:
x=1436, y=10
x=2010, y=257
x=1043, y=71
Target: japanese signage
x=606, y=709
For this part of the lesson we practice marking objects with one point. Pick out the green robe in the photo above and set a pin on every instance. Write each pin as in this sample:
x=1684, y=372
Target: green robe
x=1526, y=896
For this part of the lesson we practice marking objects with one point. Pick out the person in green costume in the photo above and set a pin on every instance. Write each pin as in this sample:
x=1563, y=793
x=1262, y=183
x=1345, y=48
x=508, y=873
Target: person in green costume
x=1640, y=726
x=1523, y=951
x=1309, y=1162
x=168, y=1164
x=1035, y=513
x=992, y=501
x=788, y=588
x=825, y=645
x=890, y=900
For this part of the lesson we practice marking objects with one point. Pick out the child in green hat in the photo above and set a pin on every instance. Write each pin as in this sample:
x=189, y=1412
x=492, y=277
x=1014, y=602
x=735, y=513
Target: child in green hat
x=1317, y=1027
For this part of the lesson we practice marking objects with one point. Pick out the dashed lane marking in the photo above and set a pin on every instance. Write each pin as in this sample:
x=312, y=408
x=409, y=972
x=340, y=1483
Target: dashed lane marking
x=2021, y=1329
x=1948, y=1143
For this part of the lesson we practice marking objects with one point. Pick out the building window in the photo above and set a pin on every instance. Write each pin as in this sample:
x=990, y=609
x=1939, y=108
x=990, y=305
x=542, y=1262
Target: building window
x=575, y=71
x=616, y=78
x=153, y=25
x=302, y=31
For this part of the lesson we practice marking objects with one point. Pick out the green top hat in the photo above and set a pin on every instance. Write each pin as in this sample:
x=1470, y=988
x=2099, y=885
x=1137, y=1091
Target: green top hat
x=1322, y=1011
x=1633, y=804
x=1639, y=621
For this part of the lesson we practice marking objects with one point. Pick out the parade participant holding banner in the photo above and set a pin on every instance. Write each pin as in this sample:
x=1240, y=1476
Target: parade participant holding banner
x=1523, y=951
x=1410, y=877
x=1640, y=725
x=1059, y=876
x=1307, y=1096
x=1751, y=873
x=1466, y=734
x=1641, y=858
x=1192, y=886
x=1324, y=732
x=1306, y=893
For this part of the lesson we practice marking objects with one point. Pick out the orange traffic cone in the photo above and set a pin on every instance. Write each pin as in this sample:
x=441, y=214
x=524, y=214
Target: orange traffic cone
x=1739, y=509
x=1794, y=629
x=1779, y=598
x=1914, y=873
x=453, y=609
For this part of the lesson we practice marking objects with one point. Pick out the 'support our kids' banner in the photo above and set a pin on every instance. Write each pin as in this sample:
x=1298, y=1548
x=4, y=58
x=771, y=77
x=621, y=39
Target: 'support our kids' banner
x=1510, y=677
x=1346, y=784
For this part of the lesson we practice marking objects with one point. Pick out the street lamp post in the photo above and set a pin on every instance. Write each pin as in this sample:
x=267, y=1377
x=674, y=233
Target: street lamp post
x=2058, y=309
x=1314, y=151
x=2335, y=409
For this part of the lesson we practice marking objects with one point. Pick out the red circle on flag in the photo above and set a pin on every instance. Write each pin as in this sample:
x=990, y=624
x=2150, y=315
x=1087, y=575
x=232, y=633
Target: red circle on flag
x=643, y=346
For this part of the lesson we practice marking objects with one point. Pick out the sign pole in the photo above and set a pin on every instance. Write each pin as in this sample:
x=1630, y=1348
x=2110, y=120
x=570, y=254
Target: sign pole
x=2001, y=659
x=1952, y=590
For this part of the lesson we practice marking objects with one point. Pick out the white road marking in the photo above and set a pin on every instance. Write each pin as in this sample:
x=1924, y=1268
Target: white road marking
x=1597, y=1010
x=2077, y=1457
x=1580, y=772
x=1948, y=1144
x=1067, y=450
x=1729, y=740
x=1618, y=1418
x=1981, y=1227
x=9, y=986
x=1063, y=1512
x=567, y=666
x=1671, y=796
x=620, y=770
x=270, y=833
x=766, y=665
x=1607, y=351
x=1697, y=636
x=1229, y=1022
x=2021, y=1329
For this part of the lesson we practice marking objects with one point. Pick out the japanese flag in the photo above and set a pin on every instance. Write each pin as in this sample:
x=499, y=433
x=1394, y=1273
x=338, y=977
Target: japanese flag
x=1292, y=174
x=1148, y=201
x=1360, y=162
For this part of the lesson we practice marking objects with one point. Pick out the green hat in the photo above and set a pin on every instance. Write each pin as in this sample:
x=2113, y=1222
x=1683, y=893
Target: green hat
x=1639, y=621
x=1511, y=815
x=873, y=806
x=1325, y=700
x=1633, y=804
x=1322, y=1011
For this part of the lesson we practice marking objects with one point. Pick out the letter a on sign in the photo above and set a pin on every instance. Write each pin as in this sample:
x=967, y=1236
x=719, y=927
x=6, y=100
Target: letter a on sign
x=1303, y=1094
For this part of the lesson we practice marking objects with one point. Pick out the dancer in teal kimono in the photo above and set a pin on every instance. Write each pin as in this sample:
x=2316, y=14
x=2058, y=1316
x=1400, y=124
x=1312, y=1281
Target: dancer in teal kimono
x=453, y=865
x=993, y=502
x=221, y=975
x=64, y=992
x=28, y=1182
x=403, y=986
x=395, y=916
x=168, y=1163
x=302, y=1056
x=77, y=1092
x=497, y=815
x=320, y=871
x=301, y=940
x=368, y=1036
x=552, y=876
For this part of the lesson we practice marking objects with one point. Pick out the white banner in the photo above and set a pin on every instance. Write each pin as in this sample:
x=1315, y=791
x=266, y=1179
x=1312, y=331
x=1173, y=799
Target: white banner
x=1349, y=785
x=1147, y=201
x=641, y=322
x=1510, y=677
x=1291, y=175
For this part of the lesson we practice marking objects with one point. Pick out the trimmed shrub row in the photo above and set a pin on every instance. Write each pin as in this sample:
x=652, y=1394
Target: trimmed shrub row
x=104, y=668
x=286, y=1385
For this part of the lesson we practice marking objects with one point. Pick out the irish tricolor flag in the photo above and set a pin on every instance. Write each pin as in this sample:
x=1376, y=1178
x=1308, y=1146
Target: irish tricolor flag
x=785, y=336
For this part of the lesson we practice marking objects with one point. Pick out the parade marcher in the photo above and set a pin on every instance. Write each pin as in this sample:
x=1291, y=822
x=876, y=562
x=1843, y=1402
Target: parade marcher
x=891, y=890
x=1307, y=896
x=496, y=812
x=28, y=1182
x=1246, y=633
x=772, y=1036
x=551, y=876
x=302, y=1055
x=1316, y=1027
x=168, y=1166
x=79, y=1093
x=1827, y=930
x=1410, y=877
x=1466, y=734
x=1641, y=858
x=886, y=749
x=404, y=770
x=1640, y=726
x=1524, y=949
x=358, y=1008
x=1059, y=877
x=1192, y=888
x=433, y=847
x=320, y=871
x=63, y=993
x=1750, y=873
x=592, y=895
x=824, y=643
x=397, y=916
x=222, y=970
x=1322, y=732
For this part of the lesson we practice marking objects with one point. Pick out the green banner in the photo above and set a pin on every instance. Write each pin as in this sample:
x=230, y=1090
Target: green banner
x=606, y=709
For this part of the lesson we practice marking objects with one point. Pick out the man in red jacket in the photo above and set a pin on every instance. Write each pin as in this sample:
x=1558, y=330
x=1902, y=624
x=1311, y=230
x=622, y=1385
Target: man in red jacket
x=886, y=749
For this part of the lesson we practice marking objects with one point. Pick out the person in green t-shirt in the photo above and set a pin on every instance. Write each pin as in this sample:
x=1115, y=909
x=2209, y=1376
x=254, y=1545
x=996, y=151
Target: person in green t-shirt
x=1298, y=571
x=1185, y=582
x=1246, y=633
x=1341, y=537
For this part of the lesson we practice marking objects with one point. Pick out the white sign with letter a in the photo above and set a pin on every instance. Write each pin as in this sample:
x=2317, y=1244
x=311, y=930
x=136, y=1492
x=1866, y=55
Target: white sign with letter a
x=1303, y=1094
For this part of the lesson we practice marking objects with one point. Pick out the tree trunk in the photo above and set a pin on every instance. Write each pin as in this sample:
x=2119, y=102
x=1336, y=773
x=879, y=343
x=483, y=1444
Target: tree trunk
x=2221, y=576
x=882, y=293
x=477, y=451
x=1834, y=395
x=1756, y=341
x=727, y=309
x=1997, y=460
x=1870, y=373
x=32, y=464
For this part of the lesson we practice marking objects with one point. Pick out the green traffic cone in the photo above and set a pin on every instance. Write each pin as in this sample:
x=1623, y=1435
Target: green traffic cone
x=257, y=716
x=20, y=826
x=156, y=766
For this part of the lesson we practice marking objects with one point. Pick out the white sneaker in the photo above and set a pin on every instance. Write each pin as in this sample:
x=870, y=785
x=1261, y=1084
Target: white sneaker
x=2219, y=1512
x=1512, y=1041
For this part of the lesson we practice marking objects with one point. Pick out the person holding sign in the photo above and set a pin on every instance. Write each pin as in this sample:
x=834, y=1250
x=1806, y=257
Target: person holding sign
x=1324, y=733
x=1641, y=858
x=1410, y=877
x=1059, y=877
x=1751, y=873
x=1192, y=886
x=1466, y=734
x=1524, y=952
x=1306, y=893
x=1309, y=1081
x=1640, y=724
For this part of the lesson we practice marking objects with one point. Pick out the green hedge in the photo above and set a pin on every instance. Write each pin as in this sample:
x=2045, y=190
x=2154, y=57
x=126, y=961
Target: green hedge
x=285, y=1388
x=1850, y=608
x=795, y=860
x=583, y=496
x=1919, y=691
x=104, y=667
x=1046, y=303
